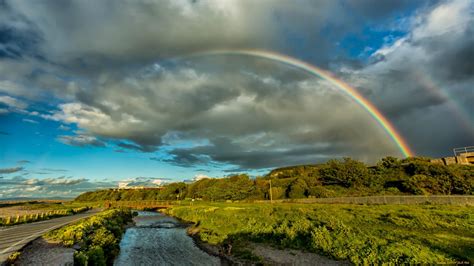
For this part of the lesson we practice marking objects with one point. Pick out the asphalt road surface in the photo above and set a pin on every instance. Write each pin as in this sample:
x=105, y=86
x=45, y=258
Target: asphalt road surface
x=15, y=237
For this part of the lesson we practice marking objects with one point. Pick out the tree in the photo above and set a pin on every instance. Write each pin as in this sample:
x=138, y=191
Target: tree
x=346, y=173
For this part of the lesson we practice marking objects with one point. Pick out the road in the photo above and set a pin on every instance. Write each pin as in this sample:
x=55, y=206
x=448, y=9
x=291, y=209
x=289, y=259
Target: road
x=15, y=237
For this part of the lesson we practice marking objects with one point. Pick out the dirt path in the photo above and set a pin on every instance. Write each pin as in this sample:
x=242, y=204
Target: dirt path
x=275, y=256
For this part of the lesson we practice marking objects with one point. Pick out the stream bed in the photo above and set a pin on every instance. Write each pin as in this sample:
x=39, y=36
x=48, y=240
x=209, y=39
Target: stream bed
x=157, y=239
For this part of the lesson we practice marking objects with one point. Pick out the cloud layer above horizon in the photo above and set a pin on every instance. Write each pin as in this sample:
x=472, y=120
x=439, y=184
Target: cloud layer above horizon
x=116, y=75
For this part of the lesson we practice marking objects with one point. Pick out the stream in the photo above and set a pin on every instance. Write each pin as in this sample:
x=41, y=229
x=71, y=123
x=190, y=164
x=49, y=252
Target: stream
x=157, y=239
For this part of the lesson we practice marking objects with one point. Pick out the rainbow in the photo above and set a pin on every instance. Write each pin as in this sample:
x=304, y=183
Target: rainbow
x=313, y=70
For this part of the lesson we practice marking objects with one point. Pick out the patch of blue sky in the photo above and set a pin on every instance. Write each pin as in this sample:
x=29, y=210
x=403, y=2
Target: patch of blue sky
x=363, y=44
x=38, y=143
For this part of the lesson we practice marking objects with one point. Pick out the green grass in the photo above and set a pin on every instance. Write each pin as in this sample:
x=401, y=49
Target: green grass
x=52, y=206
x=361, y=234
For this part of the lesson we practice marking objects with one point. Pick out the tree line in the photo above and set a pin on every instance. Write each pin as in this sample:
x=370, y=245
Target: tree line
x=344, y=177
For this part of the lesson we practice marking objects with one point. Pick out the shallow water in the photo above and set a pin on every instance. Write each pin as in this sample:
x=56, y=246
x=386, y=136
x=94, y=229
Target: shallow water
x=157, y=239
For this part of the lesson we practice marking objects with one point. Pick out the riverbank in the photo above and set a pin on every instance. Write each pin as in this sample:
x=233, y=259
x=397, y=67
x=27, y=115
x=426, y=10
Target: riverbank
x=354, y=233
x=261, y=254
x=44, y=252
x=213, y=250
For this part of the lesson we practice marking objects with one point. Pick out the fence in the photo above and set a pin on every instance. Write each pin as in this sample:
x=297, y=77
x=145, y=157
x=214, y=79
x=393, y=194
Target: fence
x=432, y=199
x=458, y=151
x=28, y=218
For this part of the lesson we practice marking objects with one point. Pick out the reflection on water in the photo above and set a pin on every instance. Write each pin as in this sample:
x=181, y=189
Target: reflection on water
x=157, y=239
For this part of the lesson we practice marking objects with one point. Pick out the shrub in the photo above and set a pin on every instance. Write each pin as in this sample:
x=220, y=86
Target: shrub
x=96, y=256
x=98, y=236
x=297, y=189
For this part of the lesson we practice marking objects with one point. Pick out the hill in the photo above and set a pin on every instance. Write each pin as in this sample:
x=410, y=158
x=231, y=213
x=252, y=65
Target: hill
x=346, y=177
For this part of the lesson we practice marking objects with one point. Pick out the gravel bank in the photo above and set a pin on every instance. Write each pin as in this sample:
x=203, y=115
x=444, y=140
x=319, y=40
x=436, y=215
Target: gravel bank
x=42, y=252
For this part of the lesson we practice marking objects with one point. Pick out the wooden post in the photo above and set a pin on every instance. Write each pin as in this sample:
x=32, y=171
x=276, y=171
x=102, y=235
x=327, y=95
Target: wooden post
x=271, y=196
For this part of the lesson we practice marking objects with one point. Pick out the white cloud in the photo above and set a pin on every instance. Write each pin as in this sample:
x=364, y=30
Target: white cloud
x=81, y=140
x=142, y=182
x=199, y=177
x=451, y=17
x=29, y=121
x=427, y=76
x=48, y=187
x=13, y=103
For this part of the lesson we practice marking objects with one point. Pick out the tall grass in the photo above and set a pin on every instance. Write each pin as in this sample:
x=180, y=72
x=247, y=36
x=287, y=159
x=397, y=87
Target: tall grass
x=375, y=234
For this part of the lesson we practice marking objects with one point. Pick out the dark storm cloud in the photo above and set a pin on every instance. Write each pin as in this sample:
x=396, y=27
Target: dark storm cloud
x=427, y=77
x=457, y=62
x=145, y=33
x=10, y=170
x=188, y=158
x=144, y=25
x=225, y=151
x=100, y=61
x=259, y=112
x=18, y=36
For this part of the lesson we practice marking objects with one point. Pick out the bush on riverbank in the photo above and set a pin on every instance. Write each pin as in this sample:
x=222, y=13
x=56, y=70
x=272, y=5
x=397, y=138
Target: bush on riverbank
x=391, y=234
x=98, y=237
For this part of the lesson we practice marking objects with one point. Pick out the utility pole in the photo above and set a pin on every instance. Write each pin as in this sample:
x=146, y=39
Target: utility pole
x=271, y=196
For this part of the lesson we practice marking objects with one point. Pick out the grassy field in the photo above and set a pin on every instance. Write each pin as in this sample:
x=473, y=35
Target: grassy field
x=34, y=207
x=361, y=234
x=30, y=211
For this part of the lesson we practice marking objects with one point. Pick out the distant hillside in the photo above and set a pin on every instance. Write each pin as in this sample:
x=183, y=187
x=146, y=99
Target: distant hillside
x=347, y=177
x=36, y=199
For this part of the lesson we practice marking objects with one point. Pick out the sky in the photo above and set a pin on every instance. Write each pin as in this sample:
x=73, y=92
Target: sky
x=145, y=92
